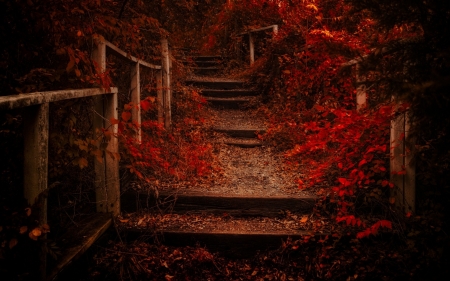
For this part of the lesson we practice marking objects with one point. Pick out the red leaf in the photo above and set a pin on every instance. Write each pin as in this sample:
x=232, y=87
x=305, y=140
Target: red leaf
x=113, y=121
x=384, y=183
x=362, y=162
x=145, y=105
x=382, y=168
x=126, y=115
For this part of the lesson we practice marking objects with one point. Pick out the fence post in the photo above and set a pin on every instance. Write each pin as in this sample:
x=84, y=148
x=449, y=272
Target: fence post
x=361, y=95
x=251, y=41
x=107, y=183
x=275, y=30
x=165, y=67
x=401, y=160
x=36, y=127
x=160, y=97
x=136, y=99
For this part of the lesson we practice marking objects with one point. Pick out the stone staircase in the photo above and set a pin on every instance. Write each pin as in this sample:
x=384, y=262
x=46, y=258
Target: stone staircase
x=255, y=207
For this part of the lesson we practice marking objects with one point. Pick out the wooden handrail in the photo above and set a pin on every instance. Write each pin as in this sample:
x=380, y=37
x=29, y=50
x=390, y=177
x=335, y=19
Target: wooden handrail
x=36, y=133
x=252, y=39
x=130, y=57
x=25, y=100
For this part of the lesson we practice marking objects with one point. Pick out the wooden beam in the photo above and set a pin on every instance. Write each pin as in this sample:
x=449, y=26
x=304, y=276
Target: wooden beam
x=130, y=57
x=251, y=42
x=160, y=97
x=165, y=63
x=36, y=126
x=401, y=160
x=31, y=99
x=135, y=89
x=107, y=173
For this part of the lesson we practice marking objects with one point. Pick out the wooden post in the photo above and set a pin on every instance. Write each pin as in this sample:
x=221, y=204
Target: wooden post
x=275, y=30
x=251, y=41
x=165, y=67
x=401, y=160
x=35, y=151
x=36, y=127
x=160, y=97
x=107, y=173
x=136, y=99
x=361, y=95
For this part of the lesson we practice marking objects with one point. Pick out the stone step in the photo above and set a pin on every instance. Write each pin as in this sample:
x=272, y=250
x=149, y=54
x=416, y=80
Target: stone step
x=229, y=103
x=192, y=202
x=214, y=93
x=230, y=236
x=218, y=84
x=241, y=133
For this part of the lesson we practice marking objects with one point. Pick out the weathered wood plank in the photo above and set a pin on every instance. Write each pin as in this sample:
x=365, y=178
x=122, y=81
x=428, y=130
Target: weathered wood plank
x=167, y=93
x=36, y=127
x=128, y=56
x=107, y=184
x=30, y=99
x=238, y=206
x=251, y=42
x=401, y=160
x=273, y=27
x=79, y=239
x=135, y=90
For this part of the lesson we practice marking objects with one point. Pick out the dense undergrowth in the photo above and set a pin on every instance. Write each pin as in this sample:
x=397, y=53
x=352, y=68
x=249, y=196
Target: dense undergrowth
x=325, y=53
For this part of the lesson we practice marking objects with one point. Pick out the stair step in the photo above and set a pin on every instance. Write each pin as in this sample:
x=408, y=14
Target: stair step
x=231, y=236
x=229, y=93
x=229, y=103
x=244, y=143
x=205, y=70
x=241, y=133
x=223, y=84
x=200, y=202
x=206, y=58
x=208, y=63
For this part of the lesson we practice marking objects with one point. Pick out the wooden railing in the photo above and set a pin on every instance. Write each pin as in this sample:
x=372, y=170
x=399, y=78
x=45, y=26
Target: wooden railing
x=36, y=136
x=401, y=148
x=251, y=39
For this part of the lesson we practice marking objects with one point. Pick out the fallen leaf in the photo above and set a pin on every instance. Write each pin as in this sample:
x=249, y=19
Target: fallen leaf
x=23, y=229
x=12, y=243
x=304, y=219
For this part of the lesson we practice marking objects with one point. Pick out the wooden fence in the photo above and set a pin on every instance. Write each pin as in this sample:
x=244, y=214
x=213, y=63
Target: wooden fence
x=107, y=184
x=251, y=39
x=402, y=168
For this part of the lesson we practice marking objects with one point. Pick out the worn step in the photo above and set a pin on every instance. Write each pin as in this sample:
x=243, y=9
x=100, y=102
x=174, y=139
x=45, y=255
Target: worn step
x=215, y=93
x=244, y=143
x=205, y=70
x=241, y=133
x=222, y=84
x=235, y=205
x=206, y=58
x=239, y=237
x=229, y=103
x=215, y=63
